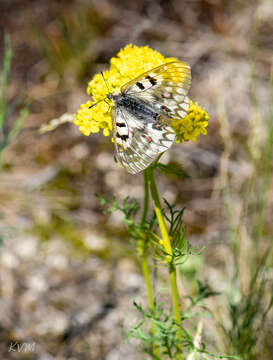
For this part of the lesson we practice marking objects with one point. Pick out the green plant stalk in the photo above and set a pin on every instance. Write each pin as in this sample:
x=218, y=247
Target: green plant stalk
x=146, y=274
x=144, y=260
x=267, y=164
x=7, y=133
x=146, y=197
x=172, y=270
x=4, y=80
x=143, y=250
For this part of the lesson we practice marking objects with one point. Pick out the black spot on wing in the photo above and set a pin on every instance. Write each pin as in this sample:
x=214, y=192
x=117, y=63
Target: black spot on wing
x=152, y=80
x=120, y=124
x=123, y=137
x=140, y=85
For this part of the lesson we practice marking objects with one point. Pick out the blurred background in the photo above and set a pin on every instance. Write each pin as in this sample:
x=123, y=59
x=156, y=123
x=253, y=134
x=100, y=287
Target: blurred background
x=69, y=273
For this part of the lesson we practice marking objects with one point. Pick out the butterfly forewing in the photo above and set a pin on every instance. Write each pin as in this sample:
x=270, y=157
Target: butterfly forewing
x=164, y=89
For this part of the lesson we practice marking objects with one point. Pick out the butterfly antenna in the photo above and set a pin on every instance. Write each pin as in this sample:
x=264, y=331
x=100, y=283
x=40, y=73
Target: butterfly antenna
x=104, y=98
x=105, y=82
x=96, y=103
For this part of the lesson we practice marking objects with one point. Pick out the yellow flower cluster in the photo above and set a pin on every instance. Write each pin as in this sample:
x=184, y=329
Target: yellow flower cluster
x=129, y=63
x=194, y=124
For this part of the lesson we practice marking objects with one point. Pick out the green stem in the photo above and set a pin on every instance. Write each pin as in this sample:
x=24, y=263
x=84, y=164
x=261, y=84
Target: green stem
x=267, y=166
x=146, y=197
x=144, y=260
x=160, y=218
x=143, y=252
x=168, y=249
x=146, y=274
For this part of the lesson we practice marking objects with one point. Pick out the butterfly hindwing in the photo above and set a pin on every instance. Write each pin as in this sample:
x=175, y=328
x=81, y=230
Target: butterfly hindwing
x=164, y=89
x=138, y=143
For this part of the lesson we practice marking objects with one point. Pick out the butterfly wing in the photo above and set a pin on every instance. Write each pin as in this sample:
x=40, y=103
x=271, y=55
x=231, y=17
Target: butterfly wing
x=138, y=143
x=164, y=89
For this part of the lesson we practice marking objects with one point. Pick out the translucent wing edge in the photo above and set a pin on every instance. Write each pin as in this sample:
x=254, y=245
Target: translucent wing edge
x=158, y=70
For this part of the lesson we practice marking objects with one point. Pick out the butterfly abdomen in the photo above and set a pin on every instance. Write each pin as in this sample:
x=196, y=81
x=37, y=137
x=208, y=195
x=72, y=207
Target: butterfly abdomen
x=136, y=107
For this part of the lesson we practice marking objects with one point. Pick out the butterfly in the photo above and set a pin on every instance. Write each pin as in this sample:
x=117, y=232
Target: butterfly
x=142, y=112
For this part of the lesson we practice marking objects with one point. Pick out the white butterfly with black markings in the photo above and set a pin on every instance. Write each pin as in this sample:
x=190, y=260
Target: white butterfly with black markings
x=142, y=112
